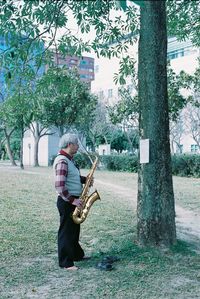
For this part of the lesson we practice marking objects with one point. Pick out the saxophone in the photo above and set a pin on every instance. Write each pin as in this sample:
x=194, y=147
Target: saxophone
x=79, y=215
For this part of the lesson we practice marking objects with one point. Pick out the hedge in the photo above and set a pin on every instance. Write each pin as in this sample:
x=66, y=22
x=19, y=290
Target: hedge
x=186, y=165
x=128, y=163
x=182, y=165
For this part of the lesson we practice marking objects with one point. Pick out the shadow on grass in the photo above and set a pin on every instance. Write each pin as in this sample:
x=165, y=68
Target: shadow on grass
x=183, y=248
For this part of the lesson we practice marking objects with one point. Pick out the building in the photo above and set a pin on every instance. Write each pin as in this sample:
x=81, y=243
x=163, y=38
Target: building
x=8, y=71
x=105, y=69
x=84, y=65
x=182, y=56
x=3, y=47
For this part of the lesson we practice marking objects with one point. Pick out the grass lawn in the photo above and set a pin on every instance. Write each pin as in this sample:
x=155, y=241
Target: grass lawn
x=29, y=222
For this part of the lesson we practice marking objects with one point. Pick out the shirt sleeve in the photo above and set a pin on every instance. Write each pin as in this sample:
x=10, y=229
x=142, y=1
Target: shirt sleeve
x=61, y=171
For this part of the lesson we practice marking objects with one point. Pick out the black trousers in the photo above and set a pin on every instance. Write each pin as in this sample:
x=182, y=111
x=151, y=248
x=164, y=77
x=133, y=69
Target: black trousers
x=69, y=249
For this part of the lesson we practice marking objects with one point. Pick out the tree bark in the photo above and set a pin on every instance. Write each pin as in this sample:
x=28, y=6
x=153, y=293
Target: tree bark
x=8, y=148
x=21, y=146
x=155, y=209
x=36, y=135
x=36, y=147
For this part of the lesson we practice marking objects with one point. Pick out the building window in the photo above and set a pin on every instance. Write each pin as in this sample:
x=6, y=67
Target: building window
x=176, y=53
x=83, y=76
x=110, y=93
x=96, y=69
x=194, y=148
x=173, y=55
x=83, y=62
x=83, y=67
x=101, y=94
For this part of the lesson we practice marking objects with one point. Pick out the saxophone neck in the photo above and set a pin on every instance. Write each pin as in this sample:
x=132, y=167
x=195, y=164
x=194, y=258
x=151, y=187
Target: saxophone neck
x=89, y=178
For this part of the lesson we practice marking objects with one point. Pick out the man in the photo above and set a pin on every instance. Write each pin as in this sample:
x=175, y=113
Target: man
x=68, y=184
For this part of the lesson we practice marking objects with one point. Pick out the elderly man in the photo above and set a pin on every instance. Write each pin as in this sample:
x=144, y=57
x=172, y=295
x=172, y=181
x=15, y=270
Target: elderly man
x=68, y=184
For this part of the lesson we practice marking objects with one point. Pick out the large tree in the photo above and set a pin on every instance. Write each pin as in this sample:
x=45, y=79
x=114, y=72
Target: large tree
x=156, y=212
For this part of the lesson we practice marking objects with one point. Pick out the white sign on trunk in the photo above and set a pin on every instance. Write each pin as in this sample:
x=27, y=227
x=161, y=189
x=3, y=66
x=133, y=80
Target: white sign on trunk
x=144, y=151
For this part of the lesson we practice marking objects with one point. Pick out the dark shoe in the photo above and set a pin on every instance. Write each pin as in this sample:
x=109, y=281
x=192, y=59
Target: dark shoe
x=104, y=266
x=85, y=258
x=110, y=259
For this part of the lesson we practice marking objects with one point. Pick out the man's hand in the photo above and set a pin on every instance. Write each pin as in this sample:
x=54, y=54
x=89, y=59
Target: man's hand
x=91, y=182
x=77, y=202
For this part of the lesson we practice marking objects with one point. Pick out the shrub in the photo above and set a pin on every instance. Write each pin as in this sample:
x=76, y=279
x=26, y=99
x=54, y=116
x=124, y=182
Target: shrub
x=81, y=159
x=182, y=165
x=120, y=162
x=186, y=165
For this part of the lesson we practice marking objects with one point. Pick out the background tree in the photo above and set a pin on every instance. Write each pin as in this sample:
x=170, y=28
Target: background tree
x=192, y=84
x=192, y=115
x=20, y=65
x=99, y=130
x=126, y=113
x=6, y=132
x=183, y=20
x=119, y=142
x=177, y=129
x=65, y=100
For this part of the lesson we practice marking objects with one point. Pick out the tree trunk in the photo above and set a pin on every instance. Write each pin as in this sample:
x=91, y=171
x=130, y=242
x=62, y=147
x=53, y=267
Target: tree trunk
x=21, y=146
x=36, y=145
x=1, y=146
x=61, y=131
x=155, y=210
x=8, y=148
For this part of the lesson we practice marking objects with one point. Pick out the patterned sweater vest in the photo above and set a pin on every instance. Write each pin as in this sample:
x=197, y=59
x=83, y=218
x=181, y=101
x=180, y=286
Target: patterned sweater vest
x=73, y=180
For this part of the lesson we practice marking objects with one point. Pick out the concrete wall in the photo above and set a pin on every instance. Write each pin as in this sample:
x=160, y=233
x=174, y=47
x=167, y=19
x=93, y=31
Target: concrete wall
x=43, y=151
x=104, y=149
x=28, y=143
x=48, y=147
x=53, y=145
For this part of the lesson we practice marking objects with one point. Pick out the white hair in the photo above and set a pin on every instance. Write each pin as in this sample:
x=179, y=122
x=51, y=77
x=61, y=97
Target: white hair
x=66, y=139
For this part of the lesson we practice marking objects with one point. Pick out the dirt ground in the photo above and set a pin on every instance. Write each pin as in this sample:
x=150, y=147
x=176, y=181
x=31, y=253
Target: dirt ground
x=187, y=222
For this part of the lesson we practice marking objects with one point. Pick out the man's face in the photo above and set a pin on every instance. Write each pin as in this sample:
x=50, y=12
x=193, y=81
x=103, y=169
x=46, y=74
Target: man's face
x=73, y=147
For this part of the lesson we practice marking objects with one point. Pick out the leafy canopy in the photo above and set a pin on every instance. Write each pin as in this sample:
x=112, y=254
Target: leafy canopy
x=64, y=99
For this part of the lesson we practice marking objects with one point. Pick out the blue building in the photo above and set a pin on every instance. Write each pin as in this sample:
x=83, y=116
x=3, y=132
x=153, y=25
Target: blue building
x=3, y=47
x=14, y=62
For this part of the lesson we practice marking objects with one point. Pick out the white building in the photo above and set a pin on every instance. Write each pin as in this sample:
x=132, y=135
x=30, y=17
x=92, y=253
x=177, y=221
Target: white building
x=105, y=69
x=182, y=56
x=48, y=147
